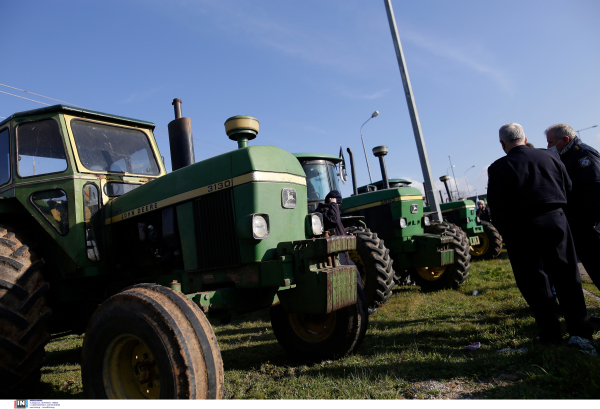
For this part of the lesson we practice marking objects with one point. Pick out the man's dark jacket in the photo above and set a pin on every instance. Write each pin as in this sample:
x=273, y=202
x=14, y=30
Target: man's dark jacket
x=526, y=183
x=583, y=165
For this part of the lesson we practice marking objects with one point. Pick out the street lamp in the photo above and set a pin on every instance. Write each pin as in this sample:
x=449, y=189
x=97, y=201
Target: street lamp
x=455, y=184
x=469, y=190
x=585, y=129
x=363, y=142
x=448, y=170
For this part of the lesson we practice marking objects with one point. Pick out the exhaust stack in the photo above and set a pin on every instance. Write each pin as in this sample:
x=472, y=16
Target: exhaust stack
x=380, y=152
x=445, y=179
x=180, y=139
x=241, y=128
x=352, y=171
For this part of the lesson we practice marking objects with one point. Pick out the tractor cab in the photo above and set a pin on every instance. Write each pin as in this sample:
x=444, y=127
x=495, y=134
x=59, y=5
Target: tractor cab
x=394, y=183
x=322, y=173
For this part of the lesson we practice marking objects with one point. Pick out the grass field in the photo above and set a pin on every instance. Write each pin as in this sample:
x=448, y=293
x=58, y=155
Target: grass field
x=413, y=350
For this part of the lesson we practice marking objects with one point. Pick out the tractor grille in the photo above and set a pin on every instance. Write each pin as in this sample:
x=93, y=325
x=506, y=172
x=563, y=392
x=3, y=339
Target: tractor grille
x=215, y=231
x=379, y=219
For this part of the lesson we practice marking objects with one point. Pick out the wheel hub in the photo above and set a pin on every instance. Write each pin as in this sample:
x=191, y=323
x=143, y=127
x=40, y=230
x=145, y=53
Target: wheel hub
x=431, y=273
x=313, y=327
x=484, y=245
x=129, y=370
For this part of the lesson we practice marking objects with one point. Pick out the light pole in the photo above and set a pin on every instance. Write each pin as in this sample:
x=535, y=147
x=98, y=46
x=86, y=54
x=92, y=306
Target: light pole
x=448, y=170
x=455, y=184
x=469, y=190
x=363, y=142
x=585, y=129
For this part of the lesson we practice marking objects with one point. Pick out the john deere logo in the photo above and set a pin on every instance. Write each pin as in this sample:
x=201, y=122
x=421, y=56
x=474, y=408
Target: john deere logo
x=414, y=208
x=288, y=198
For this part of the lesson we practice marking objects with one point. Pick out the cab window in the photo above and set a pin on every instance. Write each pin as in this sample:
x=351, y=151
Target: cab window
x=4, y=156
x=110, y=148
x=54, y=206
x=40, y=148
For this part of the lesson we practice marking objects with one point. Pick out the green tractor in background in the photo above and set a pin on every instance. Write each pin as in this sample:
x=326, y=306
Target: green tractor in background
x=484, y=239
x=434, y=255
x=95, y=237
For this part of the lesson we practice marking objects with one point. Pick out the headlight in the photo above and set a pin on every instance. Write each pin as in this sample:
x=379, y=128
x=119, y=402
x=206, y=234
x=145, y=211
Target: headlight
x=403, y=223
x=260, y=227
x=426, y=221
x=316, y=223
x=478, y=220
x=468, y=220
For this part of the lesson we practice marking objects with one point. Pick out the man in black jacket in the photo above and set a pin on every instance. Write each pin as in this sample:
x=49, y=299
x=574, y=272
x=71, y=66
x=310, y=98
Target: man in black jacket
x=583, y=211
x=528, y=190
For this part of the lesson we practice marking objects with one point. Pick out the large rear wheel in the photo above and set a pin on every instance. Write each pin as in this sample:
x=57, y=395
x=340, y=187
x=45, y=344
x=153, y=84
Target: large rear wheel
x=490, y=241
x=150, y=342
x=374, y=264
x=321, y=336
x=24, y=315
x=450, y=276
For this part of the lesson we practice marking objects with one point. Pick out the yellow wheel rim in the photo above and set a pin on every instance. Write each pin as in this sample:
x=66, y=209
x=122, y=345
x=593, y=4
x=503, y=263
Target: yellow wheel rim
x=430, y=273
x=313, y=327
x=355, y=257
x=484, y=245
x=129, y=370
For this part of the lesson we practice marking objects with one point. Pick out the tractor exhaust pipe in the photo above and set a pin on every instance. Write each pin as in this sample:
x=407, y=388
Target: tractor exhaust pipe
x=180, y=139
x=445, y=179
x=353, y=173
x=380, y=152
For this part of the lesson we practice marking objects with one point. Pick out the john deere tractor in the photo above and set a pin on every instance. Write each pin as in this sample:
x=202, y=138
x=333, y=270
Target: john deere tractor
x=434, y=255
x=485, y=241
x=97, y=238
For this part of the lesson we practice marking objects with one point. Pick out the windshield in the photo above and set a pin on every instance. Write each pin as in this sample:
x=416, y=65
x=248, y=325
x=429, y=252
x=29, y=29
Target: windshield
x=319, y=182
x=113, y=149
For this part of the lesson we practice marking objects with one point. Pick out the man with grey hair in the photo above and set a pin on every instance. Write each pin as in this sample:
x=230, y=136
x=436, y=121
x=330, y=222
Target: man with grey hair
x=583, y=209
x=527, y=189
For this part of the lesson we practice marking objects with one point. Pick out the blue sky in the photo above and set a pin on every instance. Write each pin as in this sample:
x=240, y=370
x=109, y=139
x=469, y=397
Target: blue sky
x=312, y=72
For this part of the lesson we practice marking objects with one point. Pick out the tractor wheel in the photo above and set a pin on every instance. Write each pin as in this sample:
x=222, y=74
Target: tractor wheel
x=150, y=342
x=490, y=243
x=374, y=264
x=321, y=336
x=451, y=276
x=24, y=315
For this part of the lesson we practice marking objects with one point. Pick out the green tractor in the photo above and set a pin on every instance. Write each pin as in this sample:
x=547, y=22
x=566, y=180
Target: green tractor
x=434, y=255
x=95, y=237
x=485, y=241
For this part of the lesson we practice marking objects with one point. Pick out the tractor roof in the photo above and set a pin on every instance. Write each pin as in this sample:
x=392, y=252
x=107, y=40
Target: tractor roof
x=379, y=184
x=317, y=156
x=80, y=112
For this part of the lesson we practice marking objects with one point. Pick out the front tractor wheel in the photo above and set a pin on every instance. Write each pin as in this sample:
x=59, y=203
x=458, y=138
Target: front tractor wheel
x=490, y=241
x=374, y=264
x=450, y=276
x=321, y=336
x=150, y=342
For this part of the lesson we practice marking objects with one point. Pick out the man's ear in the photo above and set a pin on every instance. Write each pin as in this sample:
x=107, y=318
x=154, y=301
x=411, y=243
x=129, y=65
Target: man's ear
x=503, y=146
x=525, y=140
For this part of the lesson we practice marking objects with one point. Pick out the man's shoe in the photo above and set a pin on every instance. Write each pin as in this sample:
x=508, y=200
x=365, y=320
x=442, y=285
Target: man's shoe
x=372, y=311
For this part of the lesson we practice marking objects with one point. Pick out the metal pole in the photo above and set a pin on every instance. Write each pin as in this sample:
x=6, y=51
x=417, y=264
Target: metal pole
x=469, y=190
x=363, y=142
x=455, y=184
x=414, y=116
